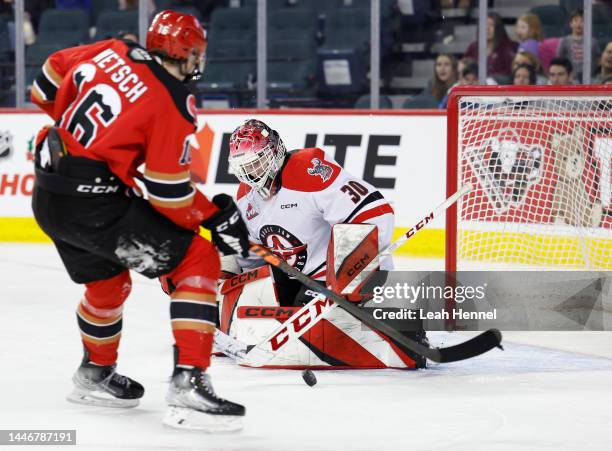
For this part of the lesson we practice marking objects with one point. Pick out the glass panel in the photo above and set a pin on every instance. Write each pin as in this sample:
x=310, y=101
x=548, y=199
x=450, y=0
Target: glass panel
x=318, y=51
x=230, y=73
x=7, y=55
x=308, y=50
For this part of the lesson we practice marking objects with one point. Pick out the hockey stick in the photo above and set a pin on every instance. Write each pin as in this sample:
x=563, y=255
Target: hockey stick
x=471, y=348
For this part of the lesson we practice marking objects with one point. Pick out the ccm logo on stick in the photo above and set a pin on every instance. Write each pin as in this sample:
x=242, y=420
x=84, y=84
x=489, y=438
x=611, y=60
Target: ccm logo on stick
x=98, y=189
x=420, y=225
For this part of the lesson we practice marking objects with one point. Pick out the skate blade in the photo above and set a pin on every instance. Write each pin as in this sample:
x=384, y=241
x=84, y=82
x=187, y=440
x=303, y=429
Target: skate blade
x=99, y=399
x=194, y=420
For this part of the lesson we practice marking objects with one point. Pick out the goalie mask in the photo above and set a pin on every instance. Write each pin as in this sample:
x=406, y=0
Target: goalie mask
x=256, y=156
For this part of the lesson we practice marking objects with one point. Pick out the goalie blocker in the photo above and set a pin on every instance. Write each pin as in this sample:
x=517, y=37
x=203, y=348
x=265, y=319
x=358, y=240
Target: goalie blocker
x=252, y=307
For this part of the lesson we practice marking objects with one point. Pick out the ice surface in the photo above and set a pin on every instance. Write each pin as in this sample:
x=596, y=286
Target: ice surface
x=546, y=391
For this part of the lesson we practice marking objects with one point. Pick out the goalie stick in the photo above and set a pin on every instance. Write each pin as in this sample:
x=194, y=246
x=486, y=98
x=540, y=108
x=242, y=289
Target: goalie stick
x=471, y=348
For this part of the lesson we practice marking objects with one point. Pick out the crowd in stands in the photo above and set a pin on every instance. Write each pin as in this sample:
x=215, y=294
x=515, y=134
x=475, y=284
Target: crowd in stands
x=543, y=45
x=530, y=60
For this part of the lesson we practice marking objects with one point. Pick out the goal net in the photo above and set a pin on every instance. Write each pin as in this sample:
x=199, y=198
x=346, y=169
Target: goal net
x=540, y=159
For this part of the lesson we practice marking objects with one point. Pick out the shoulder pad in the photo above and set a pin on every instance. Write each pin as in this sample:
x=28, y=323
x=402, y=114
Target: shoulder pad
x=307, y=170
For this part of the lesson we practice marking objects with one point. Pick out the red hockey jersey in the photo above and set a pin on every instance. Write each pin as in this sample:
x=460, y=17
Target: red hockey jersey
x=113, y=102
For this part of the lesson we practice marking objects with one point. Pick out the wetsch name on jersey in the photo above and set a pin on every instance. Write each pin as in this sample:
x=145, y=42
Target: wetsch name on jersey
x=121, y=73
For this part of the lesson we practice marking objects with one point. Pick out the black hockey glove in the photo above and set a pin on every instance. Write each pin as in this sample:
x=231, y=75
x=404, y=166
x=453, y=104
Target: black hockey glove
x=228, y=230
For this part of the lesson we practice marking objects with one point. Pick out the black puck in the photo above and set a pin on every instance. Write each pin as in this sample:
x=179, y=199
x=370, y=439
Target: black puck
x=309, y=378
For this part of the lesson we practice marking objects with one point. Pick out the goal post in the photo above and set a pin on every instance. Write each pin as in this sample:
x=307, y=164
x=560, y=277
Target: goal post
x=540, y=160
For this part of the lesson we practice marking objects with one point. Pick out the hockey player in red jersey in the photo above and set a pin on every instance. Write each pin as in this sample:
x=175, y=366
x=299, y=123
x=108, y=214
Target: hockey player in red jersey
x=290, y=202
x=117, y=106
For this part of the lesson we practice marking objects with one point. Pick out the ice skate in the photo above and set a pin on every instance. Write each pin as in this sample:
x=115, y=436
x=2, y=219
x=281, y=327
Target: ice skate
x=102, y=386
x=194, y=405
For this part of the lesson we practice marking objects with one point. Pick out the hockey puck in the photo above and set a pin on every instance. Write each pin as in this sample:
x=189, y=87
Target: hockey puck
x=309, y=378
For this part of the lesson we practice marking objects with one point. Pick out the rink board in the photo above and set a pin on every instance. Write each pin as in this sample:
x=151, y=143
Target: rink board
x=403, y=154
x=398, y=152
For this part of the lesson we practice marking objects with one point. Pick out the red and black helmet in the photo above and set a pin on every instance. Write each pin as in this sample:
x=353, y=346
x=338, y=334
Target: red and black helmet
x=176, y=35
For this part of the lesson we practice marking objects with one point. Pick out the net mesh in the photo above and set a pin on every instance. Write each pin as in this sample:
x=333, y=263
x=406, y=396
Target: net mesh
x=542, y=171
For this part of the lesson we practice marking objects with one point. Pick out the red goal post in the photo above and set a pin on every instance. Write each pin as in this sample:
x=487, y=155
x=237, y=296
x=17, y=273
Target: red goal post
x=540, y=158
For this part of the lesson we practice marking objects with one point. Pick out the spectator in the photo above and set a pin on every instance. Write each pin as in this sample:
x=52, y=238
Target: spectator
x=571, y=46
x=463, y=63
x=529, y=33
x=560, y=72
x=548, y=50
x=523, y=75
x=525, y=57
x=467, y=76
x=605, y=64
x=500, y=48
x=607, y=80
x=445, y=75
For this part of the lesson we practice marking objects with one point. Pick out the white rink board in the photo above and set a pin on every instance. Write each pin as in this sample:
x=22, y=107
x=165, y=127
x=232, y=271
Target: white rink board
x=418, y=170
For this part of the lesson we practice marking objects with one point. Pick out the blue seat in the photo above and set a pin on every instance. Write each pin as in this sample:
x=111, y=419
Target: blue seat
x=348, y=29
x=425, y=101
x=66, y=27
x=274, y=5
x=553, y=18
x=110, y=23
x=363, y=102
x=292, y=66
x=292, y=24
x=602, y=23
x=232, y=24
x=230, y=50
x=97, y=6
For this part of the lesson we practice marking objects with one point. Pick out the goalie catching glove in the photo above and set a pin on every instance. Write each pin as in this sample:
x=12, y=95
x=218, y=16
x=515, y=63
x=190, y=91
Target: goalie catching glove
x=228, y=231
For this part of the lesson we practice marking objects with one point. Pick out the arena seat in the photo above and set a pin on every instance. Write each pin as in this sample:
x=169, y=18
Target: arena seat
x=364, y=101
x=553, y=18
x=292, y=24
x=420, y=101
x=232, y=24
x=292, y=66
x=65, y=27
x=110, y=23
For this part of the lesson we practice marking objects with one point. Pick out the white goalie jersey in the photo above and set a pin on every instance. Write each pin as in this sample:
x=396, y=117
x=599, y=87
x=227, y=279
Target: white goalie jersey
x=314, y=194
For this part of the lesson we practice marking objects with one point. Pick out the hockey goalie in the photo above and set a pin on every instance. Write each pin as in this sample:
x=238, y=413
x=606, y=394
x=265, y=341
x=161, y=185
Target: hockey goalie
x=324, y=222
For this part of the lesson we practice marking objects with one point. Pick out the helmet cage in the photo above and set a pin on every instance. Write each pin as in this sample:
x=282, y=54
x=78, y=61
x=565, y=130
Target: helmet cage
x=258, y=169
